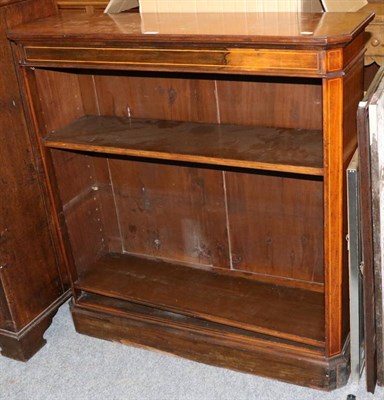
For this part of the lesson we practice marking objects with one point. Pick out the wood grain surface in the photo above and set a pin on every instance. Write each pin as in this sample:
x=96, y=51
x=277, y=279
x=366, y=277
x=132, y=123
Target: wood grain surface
x=285, y=150
x=236, y=302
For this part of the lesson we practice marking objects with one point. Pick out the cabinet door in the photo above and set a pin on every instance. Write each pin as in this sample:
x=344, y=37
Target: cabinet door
x=371, y=148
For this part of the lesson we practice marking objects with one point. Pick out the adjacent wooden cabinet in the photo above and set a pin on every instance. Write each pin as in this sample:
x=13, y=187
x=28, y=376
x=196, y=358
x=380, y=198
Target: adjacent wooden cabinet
x=87, y=6
x=196, y=172
x=32, y=279
x=375, y=34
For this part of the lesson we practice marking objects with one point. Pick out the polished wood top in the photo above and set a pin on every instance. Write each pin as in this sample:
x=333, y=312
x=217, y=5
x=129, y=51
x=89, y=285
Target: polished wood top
x=308, y=30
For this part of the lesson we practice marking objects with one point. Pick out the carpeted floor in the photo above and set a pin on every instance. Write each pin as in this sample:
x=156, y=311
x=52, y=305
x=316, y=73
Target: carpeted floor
x=77, y=367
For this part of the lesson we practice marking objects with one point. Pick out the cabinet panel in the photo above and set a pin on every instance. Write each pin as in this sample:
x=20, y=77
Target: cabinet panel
x=33, y=280
x=20, y=187
x=6, y=321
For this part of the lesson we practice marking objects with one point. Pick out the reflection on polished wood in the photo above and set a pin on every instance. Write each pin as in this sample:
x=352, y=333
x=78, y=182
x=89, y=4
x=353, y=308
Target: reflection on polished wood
x=288, y=29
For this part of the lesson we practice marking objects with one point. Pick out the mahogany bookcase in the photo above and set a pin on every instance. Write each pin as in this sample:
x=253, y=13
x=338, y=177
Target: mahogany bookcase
x=197, y=167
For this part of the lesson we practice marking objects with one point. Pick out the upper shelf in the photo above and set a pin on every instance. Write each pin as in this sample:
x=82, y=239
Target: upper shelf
x=283, y=150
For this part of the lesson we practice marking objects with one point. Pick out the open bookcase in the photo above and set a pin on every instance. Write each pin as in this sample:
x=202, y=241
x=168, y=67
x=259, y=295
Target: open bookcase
x=198, y=182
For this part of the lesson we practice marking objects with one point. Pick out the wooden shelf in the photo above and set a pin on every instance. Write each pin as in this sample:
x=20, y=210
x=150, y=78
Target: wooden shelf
x=271, y=149
x=291, y=314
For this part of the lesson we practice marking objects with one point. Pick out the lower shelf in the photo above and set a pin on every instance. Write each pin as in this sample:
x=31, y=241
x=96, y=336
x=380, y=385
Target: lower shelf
x=289, y=314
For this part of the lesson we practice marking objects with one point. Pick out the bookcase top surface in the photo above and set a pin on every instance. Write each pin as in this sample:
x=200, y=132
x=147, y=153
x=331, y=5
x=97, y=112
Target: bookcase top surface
x=291, y=29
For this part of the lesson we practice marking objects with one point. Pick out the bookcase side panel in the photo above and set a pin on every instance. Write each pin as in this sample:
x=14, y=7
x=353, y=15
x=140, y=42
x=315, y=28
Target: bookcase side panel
x=59, y=98
x=86, y=195
x=82, y=181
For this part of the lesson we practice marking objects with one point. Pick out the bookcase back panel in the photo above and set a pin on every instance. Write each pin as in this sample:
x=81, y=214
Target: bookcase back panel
x=171, y=212
x=199, y=98
x=206, y=98
x=270, y=102
x=276, y=225
x=157, y=98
